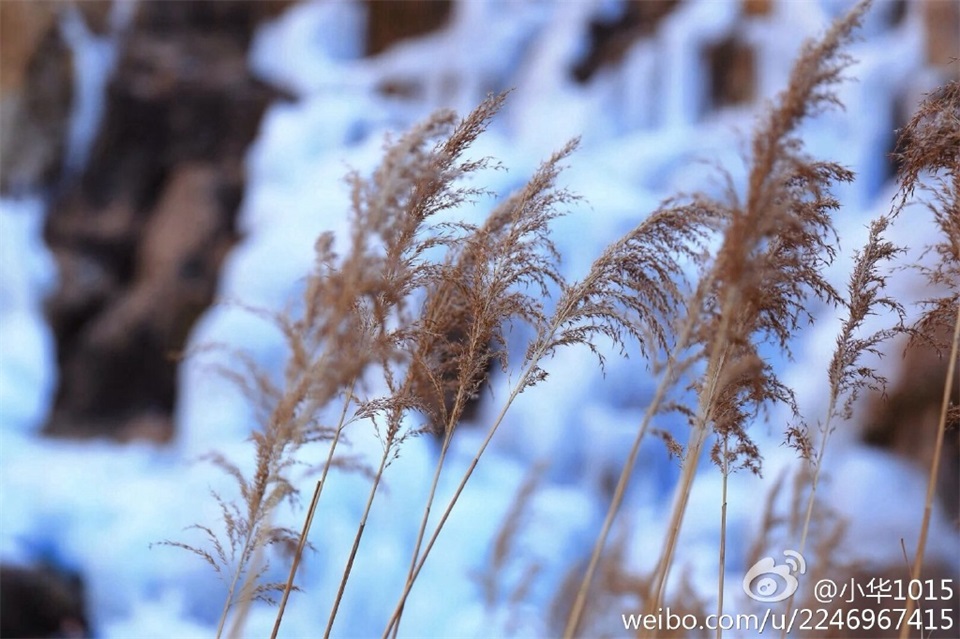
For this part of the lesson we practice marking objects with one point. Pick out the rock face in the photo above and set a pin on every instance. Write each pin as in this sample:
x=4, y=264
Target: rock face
x=906, y=420
x=611, y=38
x=139, y=235
x=130, y=291
x=943, y=36
x=390, y=22
x=41, y=602
x=35, y=94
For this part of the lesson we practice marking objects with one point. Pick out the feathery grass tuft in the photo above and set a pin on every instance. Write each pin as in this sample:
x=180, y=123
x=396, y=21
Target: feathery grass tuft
x=930, y=144
x=399, y=332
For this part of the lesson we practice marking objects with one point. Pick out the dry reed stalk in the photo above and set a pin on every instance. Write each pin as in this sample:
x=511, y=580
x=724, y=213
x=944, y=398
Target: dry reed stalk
x=432, y=354
x=930, y=144
x=418, y=183
x=848, y=377
x=722, y=559
x=630, y=291
x=917, y=567
x=773, y=247
x=311, y=510
x=520, y=256
x=463, y=368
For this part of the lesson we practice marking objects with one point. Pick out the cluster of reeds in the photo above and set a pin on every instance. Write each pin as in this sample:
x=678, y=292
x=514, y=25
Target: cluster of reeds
x=400, y=329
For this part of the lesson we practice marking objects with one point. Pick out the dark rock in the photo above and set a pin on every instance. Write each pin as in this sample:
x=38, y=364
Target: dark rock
x=41, y=602
x=173, y=100
x=140, y=235
x=236, y=20
x=611, y=39
x=940, y=20
x=732, y=73
x=121, y=332
x=905, y=421
x=390, y=22
x=37, y=94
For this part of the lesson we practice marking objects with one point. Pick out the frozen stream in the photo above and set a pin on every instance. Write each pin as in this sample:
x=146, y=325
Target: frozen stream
x=646, y=127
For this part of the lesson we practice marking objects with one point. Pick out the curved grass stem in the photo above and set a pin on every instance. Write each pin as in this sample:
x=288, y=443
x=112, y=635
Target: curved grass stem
x=311, y=511
x=934, y=470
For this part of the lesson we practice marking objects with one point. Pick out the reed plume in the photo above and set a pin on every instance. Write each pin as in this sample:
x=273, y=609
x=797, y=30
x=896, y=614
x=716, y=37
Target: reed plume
x=929, y=145
x=398, y=333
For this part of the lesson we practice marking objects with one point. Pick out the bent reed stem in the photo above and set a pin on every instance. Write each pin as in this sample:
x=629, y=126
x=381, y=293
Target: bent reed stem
x=723, y=536
x=356, y=540
x=667, y=380
x=692, y=458
x=934, y=471
x=434, y=484
x=521, y=384
x=395, y=616
x=311, y=511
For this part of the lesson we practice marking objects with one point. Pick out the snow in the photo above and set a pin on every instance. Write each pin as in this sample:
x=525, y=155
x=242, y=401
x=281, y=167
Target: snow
x=309, y=47
x=98, y=507
x=94, y=58
x=682, y=38
x=27, y=272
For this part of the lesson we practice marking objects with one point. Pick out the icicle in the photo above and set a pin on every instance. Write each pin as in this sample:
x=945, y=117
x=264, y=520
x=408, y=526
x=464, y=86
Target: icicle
x=94, y=59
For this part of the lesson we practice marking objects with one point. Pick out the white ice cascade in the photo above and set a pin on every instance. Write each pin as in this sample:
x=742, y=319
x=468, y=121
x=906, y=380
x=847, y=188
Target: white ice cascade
x=94, y=60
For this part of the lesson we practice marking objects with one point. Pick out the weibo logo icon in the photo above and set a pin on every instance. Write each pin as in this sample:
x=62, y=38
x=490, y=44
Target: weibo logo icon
x=768, y=582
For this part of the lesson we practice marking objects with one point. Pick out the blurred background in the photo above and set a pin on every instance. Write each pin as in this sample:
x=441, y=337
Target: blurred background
x=161, y=159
